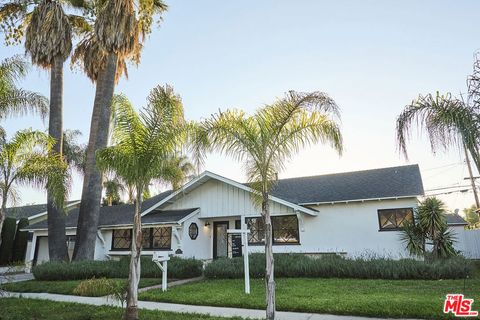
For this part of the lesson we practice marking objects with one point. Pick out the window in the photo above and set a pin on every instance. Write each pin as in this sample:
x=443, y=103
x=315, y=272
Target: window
x=157, y=238
x=193, y=231
x=121, y=239
x=284, y=229
x=257, y=230
x=393, y=219
x=152, y=238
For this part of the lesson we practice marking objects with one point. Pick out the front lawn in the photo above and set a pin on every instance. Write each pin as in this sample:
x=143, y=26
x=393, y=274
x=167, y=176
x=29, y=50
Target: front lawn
x=375, y=298
x=21, y=309
x=61, y=287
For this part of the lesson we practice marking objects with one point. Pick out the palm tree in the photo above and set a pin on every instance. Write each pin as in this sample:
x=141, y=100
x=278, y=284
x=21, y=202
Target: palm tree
x=143, y=144
x=264, y=142
x=113, y=188
x=184, y=170
x=118, y=36
x=25, y=160
x=50, y=52
x=430, y=227
x=14, y=100
x=73, y=152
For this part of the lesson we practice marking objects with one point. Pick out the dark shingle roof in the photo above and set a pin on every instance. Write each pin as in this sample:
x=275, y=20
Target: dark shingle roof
x=114, y=215
x=368, y=184
x=455, y=219
x=29, y=210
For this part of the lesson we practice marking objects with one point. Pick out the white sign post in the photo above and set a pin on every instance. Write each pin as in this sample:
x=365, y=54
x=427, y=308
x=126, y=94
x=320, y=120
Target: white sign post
x=246, y=266
x=161, y=261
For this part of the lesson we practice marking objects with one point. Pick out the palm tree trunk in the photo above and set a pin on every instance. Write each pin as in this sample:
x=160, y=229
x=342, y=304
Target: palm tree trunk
x=57, y=240
x=92, y=184
x=134, y=272
x=269, y=263
x=3, y=213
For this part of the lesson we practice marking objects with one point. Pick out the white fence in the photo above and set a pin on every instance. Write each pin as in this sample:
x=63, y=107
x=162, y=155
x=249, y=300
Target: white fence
x=468, y=242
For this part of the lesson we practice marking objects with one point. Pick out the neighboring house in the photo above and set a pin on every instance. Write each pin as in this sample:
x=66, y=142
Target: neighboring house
x=351, y=213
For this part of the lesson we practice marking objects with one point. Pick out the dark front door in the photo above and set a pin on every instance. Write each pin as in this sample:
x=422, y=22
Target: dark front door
x=220, y=239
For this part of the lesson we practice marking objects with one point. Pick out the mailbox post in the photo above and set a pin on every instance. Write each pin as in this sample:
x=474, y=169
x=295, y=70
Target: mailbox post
x=162, y=262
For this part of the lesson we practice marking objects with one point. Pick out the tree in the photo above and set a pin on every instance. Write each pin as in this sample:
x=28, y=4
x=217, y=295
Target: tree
x=264, y=142
x=50, y=52
x=142, y=145
x=472, y=217
x=14, y=100
x=112, y=188
x=119, y=31
x=20, y=242
x=25, y=160
x=429, y=228
x=184, y=170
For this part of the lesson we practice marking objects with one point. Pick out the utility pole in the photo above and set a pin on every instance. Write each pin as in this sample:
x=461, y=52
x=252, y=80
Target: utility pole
x=472, y=179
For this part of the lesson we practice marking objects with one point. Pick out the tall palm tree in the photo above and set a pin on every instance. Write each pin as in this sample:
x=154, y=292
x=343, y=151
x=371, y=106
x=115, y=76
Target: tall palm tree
x=143, y=144
x=24, y=160
x=50, y=52
x=119, y=31
x=73, y=152
x=14, y=100
x=264, y=142
x=113, y=188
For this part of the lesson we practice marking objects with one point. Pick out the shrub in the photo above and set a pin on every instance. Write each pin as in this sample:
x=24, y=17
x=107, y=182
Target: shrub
x=178, y=268
x=8, y=235
x=100, y=287
x=299, y=265
x=20, y=242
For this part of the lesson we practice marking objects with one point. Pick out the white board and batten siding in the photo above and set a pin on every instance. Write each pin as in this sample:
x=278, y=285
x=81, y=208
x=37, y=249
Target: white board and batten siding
x=467, y=241
x=217, y=199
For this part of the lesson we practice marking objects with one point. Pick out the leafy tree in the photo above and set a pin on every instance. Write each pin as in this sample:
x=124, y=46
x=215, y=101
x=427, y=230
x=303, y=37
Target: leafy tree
x=472, y=217
x=25, y=160
x=264, y=142
x=429, y=229
x=8, y=236
x=119, y=30
x=142, y=145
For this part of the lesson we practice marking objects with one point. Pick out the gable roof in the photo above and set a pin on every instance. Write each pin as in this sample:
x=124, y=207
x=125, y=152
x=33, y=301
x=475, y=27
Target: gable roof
x=384, y=183
x=32, y=211
x=207, y=175
x=454, y=219
x=109, y=215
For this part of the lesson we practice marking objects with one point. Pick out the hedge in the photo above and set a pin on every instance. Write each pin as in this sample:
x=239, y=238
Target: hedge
x=299, y=265
x=178, y=268
x=8, y=235
x=20, y=242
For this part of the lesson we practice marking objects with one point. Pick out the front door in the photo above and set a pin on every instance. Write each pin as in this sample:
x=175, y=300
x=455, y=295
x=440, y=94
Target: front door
x=220, y=239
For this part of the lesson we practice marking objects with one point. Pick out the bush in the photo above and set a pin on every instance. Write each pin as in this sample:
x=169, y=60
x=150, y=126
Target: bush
x=178, y=268
x=20, y=242
x=8, y=235
x=100, y=287
x=299, y=265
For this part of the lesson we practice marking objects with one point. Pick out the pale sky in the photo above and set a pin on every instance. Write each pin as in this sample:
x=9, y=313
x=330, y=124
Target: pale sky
x=372, y=57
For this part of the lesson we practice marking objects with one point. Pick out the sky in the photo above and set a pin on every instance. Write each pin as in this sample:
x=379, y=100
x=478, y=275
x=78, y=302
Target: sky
x=371, y=57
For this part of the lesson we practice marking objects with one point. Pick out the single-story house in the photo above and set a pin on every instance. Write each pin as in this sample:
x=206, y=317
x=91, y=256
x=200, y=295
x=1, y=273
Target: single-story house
x=350, y=214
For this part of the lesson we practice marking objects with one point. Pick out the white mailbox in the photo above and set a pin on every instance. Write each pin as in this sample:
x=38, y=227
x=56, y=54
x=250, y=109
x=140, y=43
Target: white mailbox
x=161, y=261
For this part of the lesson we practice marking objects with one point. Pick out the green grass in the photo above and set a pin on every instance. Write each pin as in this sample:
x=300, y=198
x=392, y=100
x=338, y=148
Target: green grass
x=21, y=309
x=376, y=298
x=61, y=287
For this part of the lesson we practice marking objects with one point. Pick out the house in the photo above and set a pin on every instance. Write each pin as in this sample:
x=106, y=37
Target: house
x=350, y=214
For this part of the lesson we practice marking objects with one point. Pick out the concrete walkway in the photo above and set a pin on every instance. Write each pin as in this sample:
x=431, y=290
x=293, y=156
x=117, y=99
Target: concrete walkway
x=15, y=277
x=172, y=284
x=213, y=311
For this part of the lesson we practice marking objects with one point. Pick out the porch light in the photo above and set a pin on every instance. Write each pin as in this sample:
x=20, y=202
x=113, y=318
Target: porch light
x=207, y=224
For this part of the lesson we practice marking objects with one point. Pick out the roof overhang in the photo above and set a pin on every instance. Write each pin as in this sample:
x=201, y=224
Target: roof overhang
x=206, y=176
x=44, y=213
x=358, y=200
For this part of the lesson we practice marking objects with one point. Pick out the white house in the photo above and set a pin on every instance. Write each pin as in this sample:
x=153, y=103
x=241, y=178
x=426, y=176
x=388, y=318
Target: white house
x=350, y=213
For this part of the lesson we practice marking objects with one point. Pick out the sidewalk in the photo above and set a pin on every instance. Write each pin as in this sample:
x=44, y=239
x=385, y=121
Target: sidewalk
x=213, y=311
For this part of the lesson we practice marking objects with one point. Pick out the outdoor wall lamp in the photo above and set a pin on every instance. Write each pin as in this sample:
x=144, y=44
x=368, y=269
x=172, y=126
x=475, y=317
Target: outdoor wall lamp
x=207, y=224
